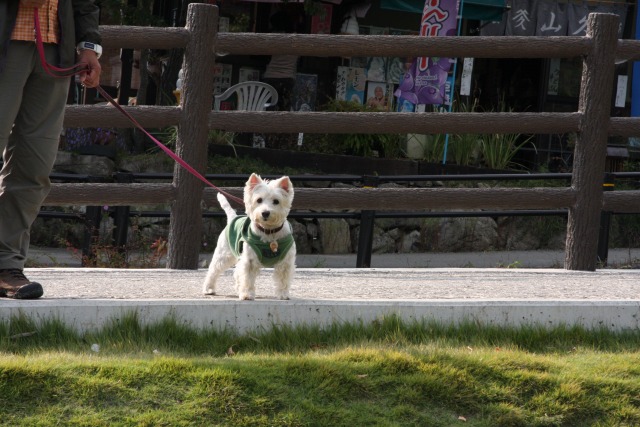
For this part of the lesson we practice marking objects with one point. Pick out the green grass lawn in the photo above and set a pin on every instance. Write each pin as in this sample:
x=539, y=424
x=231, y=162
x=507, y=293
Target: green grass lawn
x=388, y=373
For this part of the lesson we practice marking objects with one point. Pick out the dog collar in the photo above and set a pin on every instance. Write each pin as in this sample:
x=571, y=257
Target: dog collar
x=270, y=231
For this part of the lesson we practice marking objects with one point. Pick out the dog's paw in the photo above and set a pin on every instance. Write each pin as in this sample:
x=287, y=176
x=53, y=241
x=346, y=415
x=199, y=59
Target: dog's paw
x=209, y=292
x=246, y=297
x=283, y=296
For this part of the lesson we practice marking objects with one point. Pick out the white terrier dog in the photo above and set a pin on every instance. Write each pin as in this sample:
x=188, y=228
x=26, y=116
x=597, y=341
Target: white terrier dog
x=263, y=238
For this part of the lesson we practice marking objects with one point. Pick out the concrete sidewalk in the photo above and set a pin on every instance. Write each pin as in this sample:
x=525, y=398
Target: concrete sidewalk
x=88, y=298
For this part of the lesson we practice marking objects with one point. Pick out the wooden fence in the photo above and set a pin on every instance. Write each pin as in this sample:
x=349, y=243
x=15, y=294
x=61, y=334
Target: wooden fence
x=584, y=199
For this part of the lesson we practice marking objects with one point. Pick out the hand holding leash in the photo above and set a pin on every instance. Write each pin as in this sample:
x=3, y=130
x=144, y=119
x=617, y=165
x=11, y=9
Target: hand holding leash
x=91, y=76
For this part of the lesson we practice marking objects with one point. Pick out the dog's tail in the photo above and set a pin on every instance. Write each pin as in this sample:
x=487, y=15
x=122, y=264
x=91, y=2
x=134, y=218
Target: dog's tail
x=224, y=204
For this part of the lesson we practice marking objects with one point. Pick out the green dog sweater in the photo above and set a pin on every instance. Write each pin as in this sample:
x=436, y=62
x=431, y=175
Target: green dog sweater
x=239, y=230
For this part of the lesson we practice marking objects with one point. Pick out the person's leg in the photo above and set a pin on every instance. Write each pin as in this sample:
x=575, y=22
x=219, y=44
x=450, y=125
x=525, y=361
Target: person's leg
x=31, y=115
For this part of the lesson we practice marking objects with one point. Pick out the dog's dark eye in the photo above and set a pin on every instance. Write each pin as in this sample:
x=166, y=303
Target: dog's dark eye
x=276, y=202
x=259, y=200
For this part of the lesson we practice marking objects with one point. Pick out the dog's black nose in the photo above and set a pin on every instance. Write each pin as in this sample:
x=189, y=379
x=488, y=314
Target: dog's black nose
x=266, y=214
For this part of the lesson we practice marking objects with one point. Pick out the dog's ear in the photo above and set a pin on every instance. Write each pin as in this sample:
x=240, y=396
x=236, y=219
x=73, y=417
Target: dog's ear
x=253, y=181
x=285, y=184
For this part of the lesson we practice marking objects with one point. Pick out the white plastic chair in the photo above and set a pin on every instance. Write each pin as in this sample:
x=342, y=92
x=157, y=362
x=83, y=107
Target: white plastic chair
x=251, y=96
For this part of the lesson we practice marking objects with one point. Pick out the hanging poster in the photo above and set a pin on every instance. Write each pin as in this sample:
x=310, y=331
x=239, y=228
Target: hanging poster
x=223, y=24
x=396, y=65
x=350, y=84
x=247, y=74
x=321, y=22
x=395, y=69
x=341, y=83
x=304, y=92
x=554, y=76
x=377, y=68
x=405, y=106
x=425, y=80
x=621, y=91
x=378, y=95
x=221, y=77
x=465, y=78
x=356, y=81
x=359, y=62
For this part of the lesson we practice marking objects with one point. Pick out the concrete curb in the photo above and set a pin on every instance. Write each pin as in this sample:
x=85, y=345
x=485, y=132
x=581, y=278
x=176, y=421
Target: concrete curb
x=84, y=316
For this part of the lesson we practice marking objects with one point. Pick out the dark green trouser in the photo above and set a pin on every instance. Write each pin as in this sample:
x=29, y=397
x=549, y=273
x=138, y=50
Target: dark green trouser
x=33, y=103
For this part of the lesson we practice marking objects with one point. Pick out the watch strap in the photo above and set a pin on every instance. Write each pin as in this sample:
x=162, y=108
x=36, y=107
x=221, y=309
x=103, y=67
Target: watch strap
x=89, y=46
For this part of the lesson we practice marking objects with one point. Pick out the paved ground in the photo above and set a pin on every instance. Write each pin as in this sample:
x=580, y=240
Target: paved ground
x=89, y=298
x=348, y=284
x=394, y=277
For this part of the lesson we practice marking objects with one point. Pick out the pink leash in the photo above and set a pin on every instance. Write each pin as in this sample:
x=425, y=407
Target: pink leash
x=83, y=68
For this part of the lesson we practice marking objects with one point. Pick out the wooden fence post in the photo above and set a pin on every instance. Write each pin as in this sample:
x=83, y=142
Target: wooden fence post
x=197, y=96
x=591, y=146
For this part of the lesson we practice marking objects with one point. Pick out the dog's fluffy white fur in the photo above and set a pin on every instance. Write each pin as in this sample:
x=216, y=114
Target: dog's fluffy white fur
x=267, y=204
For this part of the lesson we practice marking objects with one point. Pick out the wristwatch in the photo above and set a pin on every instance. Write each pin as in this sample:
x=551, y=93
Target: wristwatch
x=90, y=46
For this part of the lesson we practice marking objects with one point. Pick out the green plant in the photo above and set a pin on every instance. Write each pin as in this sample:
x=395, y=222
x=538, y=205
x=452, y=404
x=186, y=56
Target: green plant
x=464, y=148
x=168, y=136
x=220, y=137
x=383, y=145
x=498, y=149
x=514, y=264
x=434, y=148
x=625, y=231
x=247, y=165
x=56, y=232
x=391, y=144
x=358, y=144
x=122, y=12
x=239, y=23
x=320, y=263
x=376, y=145
x=314, y=7
x=139, y=252
x=336, y=105
x=545, y=228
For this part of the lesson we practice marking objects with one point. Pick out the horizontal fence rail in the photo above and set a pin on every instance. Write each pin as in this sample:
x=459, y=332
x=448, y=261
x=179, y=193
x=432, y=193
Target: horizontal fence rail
x=382, y=199
x=376, y=123
x=411, y=46
x=335, y=123
x=133, y=37
x=584, y=199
